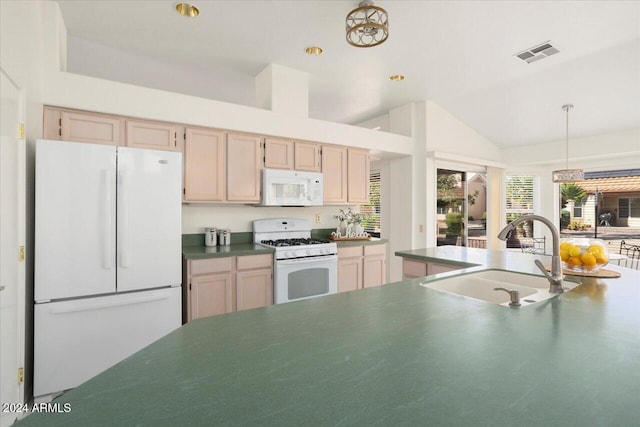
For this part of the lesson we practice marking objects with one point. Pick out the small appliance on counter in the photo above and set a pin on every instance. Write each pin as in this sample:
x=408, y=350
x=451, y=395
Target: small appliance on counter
x=210, y=236
x=224, y=237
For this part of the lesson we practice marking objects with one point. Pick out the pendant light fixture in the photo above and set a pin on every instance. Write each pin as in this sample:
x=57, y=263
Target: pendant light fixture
x=567, y=175
x=367, y=25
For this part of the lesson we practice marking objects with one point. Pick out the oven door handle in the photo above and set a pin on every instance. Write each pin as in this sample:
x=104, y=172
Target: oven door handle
x=310, y=260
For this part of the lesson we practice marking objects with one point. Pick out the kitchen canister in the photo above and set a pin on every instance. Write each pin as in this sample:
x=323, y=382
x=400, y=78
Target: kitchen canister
x=210, y=236
x=224, y=237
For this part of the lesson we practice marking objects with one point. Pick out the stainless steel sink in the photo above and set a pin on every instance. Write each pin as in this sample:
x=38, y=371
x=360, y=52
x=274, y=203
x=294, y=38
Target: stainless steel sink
x=482, y=286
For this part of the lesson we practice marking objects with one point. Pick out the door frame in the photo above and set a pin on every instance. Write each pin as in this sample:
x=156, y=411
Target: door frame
x=20, y=214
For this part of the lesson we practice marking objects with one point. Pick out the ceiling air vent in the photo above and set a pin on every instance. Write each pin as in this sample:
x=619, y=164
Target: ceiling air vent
x=538, y=52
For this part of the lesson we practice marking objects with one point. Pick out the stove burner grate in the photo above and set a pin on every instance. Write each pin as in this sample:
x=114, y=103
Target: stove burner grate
x=295, y=242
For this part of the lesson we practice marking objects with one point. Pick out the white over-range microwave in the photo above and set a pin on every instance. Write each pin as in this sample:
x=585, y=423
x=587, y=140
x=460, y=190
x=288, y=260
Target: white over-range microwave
x=291, y=188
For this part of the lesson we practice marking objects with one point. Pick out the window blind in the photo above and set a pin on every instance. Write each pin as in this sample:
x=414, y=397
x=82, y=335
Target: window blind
x=371, y=212
x=519, y=194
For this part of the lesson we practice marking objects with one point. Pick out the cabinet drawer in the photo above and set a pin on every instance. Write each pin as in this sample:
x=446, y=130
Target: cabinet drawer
x=255, y=261
x=414, y=268
x=350, y=252
x=212, y=265
x=380, y=249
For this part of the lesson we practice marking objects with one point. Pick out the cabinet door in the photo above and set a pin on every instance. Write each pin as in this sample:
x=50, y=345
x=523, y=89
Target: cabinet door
x=278, y=153
x=151, y=135
x=307, y=157
x=374, y=270
x=349, y=274
x=358, y=176
x=434, y=268
x=92, y=128
x=334, y=172
x=254, y=288
x=243, y=168
x=374, y=265
x=412, y=268
x=210, y=295
x=204, y=166
x=52, y=124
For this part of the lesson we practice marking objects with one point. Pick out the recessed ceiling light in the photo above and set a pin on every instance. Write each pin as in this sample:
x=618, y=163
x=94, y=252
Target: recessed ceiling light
x=396, y=78
x=314, y=50
x=188, y=10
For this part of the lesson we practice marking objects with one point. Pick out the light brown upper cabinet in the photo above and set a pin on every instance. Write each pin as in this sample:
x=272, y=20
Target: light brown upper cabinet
x=278, y=153
x=358, y=176
x=152, y=135
x=204, y=165
x=334, y=173
x=88, y=127
x=243, y=168
x=307, y=157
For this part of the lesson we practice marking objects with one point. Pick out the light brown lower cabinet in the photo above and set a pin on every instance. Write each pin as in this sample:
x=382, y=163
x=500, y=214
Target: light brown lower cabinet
x=412, y=268
x=224, y=285
x=361, y=266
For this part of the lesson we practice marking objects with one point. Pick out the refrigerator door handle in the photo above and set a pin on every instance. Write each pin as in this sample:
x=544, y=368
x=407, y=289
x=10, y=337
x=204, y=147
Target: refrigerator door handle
x=107, y=180
x=123, y=218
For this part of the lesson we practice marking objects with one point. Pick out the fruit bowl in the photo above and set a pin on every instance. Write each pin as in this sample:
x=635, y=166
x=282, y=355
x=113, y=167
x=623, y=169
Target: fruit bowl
x=583, y=255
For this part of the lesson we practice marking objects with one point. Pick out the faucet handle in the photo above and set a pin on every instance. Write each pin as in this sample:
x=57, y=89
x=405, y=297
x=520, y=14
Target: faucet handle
x=514, y=295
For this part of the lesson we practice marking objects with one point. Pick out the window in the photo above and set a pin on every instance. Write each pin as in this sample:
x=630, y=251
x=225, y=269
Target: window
x=623, y=208
x=577, y=209
x=634, y=208
x=519, y=202
x=519, y=196
x=371, y=223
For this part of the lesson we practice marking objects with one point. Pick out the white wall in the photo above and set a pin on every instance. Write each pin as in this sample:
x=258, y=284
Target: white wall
x=397, y=212
x=616, y=150
x=238, y=218
x=104, y=62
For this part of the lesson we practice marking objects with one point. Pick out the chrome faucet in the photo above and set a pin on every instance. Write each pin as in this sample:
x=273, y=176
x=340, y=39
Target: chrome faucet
x=555, y=278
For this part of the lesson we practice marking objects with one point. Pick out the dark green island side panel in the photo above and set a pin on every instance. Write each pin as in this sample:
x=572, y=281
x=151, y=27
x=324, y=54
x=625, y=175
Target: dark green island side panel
x=398, y=354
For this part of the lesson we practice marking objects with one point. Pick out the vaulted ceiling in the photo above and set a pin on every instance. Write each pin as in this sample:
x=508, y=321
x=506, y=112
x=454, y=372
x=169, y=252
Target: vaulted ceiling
x=459, y=54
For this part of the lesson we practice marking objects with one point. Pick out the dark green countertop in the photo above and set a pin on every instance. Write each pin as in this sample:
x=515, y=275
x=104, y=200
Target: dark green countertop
x=193, y=247
x=373, y=241
x=398, y=354
x=235, y=249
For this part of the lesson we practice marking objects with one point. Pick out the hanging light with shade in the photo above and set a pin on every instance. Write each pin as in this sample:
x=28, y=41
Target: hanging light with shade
x=367, y=25
x=567, y=175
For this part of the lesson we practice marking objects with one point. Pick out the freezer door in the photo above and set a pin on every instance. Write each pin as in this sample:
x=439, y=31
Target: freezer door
x=76, y=340
x=149, y=219
x=75, y=219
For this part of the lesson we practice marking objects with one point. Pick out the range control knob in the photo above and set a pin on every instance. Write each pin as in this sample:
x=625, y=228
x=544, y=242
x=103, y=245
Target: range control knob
x=308, y=251
x=287, y=254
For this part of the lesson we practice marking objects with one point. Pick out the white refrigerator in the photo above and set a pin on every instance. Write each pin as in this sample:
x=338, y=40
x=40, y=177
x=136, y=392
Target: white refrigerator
x=107, y=257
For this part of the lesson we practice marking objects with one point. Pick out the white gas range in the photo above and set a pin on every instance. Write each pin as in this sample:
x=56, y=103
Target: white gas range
x=303, y=267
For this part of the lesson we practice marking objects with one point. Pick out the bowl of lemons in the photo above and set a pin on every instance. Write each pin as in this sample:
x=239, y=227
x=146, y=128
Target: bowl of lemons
x=583, y=255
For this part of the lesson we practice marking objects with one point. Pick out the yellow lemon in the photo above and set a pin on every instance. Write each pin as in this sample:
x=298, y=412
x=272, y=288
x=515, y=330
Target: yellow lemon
x=602, y=259
x=575, y=251
x=565, y=245
x=574, y=260
x=588, y=259
x=595, y=249
x=564, y=254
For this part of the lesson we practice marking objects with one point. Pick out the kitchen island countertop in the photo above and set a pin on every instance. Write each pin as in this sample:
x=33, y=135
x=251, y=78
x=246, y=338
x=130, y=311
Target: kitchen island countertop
x=398, y=354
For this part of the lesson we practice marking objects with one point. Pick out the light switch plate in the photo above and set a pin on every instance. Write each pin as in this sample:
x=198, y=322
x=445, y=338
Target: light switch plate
x=318, y=220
